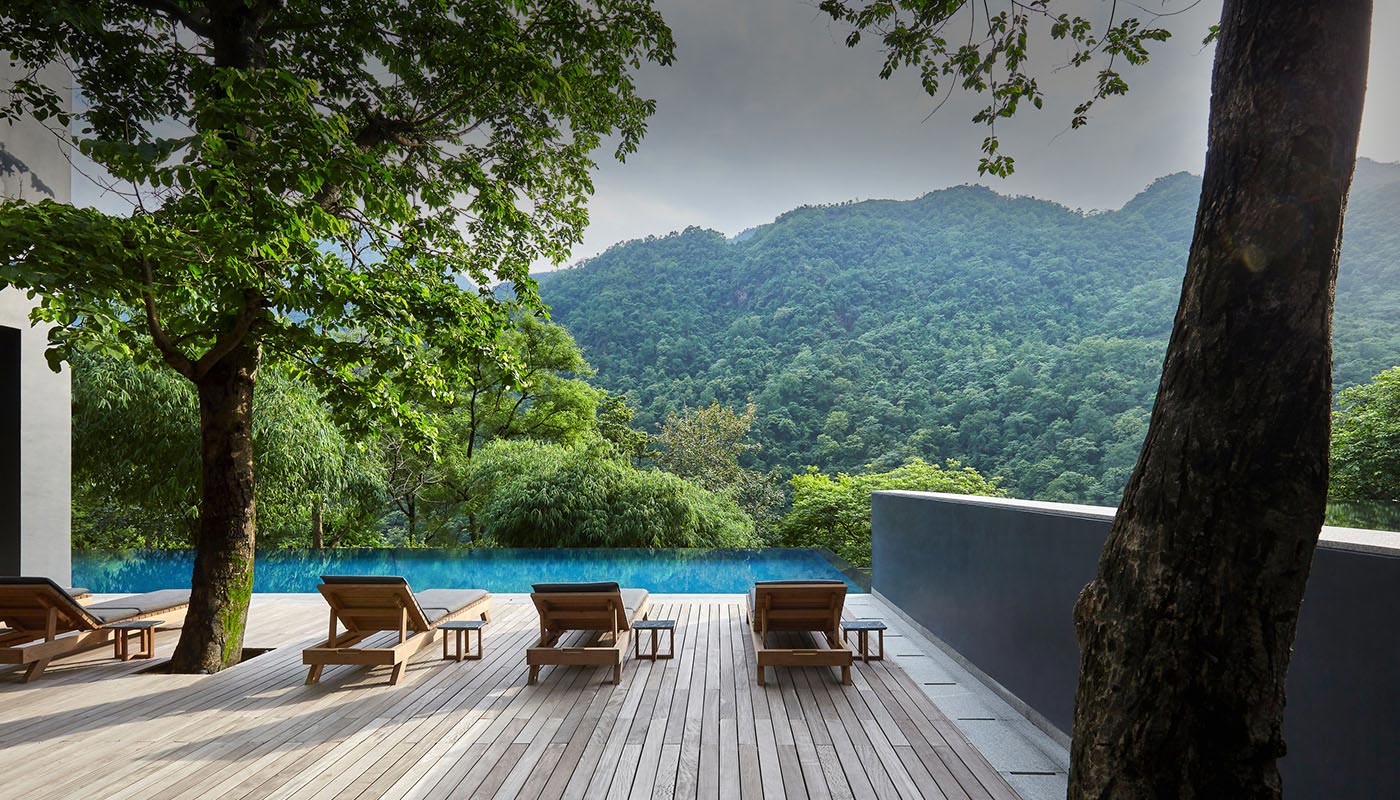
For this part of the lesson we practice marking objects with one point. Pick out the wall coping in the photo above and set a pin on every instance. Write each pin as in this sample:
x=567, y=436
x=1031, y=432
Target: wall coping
x=1358, y=540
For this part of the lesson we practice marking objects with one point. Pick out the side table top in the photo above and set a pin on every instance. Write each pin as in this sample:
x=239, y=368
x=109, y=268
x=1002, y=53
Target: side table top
x=463, y=625
x=136, y=624
x=653, y=624
x=862, y=625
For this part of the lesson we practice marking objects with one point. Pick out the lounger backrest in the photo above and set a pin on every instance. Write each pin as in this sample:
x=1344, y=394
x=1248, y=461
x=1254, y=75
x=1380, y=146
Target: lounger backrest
x=372, y=602
x=800, y=605
x=581, y=606
x=25, y=603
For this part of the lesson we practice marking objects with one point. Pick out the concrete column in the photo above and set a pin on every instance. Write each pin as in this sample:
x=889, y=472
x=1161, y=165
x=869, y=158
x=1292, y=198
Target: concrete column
x=35, y=403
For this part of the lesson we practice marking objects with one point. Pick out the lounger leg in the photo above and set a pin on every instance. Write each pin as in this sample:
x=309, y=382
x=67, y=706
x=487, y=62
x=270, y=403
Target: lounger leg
x=846, y=676
x=534, y=674
x=394, y=676
x=617, y=674
x=36, y=668
x=313, y=675
x=760, y=676
x=486, y=616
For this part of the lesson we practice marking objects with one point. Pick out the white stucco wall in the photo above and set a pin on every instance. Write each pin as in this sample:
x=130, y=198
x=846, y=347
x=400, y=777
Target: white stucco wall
x=32, y=167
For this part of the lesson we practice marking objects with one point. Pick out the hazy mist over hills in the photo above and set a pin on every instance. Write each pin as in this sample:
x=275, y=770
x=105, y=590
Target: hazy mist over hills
x=1010, y=333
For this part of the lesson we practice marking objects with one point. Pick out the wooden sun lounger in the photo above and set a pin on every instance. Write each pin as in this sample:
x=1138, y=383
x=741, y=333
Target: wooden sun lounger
x=370, y=604
x=799, y=606
x=45, y=622
x=603, y=608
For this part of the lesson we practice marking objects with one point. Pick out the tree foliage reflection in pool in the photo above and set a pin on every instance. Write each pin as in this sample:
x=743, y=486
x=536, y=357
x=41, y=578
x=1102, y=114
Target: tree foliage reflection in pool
x=681, y=571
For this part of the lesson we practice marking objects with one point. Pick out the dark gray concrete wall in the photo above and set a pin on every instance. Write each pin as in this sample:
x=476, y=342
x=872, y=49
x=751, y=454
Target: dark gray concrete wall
x=996, y=580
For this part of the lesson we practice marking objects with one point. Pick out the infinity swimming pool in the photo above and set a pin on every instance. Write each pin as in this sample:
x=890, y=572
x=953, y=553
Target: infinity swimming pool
x=680, y=571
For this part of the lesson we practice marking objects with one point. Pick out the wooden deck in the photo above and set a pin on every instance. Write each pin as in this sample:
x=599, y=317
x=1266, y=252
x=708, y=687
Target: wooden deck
x=695, y=726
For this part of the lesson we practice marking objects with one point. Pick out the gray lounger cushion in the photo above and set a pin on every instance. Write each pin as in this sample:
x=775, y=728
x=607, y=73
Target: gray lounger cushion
x=33, y=580
x=388, y=579
x=136, y=605
x=438, y=603
x=596, y=586
x=29, y=580
x=632, y=600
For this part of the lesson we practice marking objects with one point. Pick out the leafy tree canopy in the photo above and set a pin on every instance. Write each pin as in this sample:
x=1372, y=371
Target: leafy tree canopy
x=965, y=44
x=136, y=460
x=545, y=397
x=1366, y=441
x=706, y=446
x=321, y=187
x=833, y=511
x=530, y=494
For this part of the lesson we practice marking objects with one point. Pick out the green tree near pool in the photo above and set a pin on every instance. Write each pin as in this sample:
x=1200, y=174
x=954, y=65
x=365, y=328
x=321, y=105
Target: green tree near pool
x=1366, y=441
x=705, y=445
x=136, y=461
x=534, y=494
x=833, y=511
x=318, y=188
x=545, y=396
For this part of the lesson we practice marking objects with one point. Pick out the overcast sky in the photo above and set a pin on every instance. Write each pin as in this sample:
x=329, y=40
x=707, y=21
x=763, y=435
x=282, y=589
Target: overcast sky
x=765, y=109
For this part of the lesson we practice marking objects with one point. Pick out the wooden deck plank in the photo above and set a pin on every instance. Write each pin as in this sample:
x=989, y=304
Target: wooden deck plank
x=696, y=726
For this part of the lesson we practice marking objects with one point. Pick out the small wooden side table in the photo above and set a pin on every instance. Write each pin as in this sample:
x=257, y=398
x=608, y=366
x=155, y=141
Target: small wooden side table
x=146, y=628
x=462, y=627
x=655, y=626
x=863, y=627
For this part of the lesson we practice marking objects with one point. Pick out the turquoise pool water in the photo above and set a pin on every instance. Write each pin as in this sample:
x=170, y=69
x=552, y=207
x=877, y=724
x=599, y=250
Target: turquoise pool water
x=681, y=571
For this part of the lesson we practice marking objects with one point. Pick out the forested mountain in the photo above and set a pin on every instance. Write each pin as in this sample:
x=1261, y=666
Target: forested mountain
x=1018, y=336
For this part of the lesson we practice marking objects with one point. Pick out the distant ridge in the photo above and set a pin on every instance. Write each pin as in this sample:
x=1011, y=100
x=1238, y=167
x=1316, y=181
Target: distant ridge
x=1019, y=336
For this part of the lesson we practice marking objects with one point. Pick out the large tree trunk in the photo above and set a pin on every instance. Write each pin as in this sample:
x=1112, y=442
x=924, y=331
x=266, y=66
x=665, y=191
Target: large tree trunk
x=318, y=530
x=1187, y=630
x=222, y=584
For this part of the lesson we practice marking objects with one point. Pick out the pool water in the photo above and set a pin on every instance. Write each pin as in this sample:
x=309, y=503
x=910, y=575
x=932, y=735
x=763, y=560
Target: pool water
x=659, y=571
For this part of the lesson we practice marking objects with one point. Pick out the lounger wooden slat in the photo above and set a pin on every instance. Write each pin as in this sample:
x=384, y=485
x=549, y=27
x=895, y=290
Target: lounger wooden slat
x=800, y=607
x=602, y=608
x=45, y=622
x=369, y=605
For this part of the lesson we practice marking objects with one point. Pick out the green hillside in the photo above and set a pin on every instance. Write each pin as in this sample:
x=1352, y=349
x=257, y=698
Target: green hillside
x=1018, y=336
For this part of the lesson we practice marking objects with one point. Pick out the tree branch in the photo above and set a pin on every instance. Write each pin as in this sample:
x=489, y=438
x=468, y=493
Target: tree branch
x=169, y=350
x=253, y=303
x=197, y=23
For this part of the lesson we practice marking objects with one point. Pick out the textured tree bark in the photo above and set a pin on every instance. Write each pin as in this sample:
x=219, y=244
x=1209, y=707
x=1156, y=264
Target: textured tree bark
x=318, y=530
x=1186, y=632
x=222, y=584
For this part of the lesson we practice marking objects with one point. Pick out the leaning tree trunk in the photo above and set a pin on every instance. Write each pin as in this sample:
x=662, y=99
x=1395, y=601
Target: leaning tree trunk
x=222, y=584
x=1187, y=630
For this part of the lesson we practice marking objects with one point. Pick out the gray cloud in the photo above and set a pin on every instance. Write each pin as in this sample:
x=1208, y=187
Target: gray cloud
x=766, y=109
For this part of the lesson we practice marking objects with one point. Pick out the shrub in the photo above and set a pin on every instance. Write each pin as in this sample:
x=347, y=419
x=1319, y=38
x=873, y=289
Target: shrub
x=542, y=495
x=834, y=511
